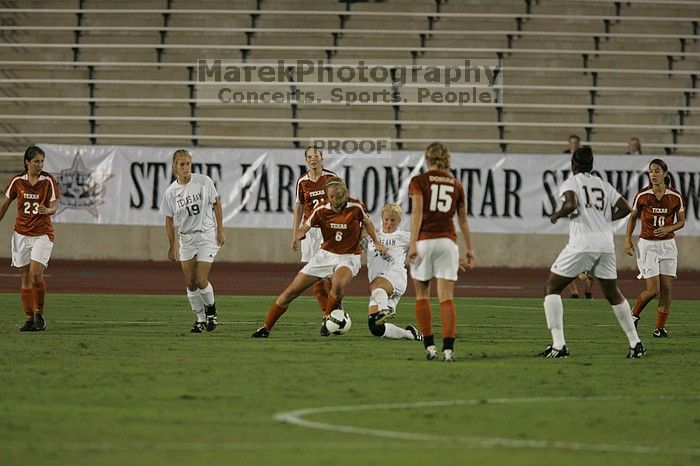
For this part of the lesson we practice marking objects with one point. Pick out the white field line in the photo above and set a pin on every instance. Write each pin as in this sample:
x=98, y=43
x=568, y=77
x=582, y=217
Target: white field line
x=296, y=418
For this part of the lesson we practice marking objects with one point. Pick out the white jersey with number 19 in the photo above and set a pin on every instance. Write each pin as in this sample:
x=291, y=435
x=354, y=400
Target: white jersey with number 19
x=190, y=205
x=590, y=229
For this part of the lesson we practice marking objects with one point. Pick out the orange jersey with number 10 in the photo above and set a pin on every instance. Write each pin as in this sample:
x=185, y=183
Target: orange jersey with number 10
x=654, y=212
x=442, y=195
x=29, y=221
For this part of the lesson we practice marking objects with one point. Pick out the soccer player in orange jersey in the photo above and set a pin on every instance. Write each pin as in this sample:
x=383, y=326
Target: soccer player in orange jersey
x=36, y=192
x=310, y=193
x=437, y=196
x=341, y=221
x=661, y=213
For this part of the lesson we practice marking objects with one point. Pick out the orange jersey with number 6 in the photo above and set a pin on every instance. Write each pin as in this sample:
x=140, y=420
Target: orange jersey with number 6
x=654, y=212
x=342, y=231
x=29, y=221
x=442, y=195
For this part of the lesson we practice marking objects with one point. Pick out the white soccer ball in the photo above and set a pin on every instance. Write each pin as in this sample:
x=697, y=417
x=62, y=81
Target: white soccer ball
x=338, y=323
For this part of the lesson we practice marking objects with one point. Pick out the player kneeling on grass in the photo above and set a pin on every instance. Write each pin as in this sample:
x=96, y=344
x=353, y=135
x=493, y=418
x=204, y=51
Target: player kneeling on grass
x=192, y=206
x=592, y=204
x=387, y=277
x=341, y=221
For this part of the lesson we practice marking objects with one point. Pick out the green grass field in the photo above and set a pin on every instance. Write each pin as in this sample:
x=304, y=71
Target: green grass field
x=119, y=379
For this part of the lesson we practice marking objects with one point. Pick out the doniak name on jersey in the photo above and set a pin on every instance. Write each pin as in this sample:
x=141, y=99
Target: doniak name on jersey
x=339, y=226
x=441, y=179
x=183, y=201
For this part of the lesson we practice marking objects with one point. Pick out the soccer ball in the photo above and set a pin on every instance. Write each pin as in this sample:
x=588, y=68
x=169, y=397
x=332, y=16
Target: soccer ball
x=338, y=323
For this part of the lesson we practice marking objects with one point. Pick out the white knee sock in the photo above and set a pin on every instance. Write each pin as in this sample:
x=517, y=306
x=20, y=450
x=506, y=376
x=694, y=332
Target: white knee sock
x=197, y=304
x=624, y=316
x=554, y=313
x=396, y=333
x=381, y=298
x=207, y=295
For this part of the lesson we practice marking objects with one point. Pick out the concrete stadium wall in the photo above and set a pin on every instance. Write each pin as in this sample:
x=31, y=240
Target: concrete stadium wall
x=272, y=246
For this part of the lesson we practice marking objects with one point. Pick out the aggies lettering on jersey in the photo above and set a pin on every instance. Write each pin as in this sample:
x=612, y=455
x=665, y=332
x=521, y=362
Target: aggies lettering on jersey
x=654, y=212
x=342, y=231
x=29, y=222
x=312, y=194
x=442, y=195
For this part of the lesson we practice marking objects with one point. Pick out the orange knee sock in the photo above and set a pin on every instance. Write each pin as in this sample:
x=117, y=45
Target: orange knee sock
x=448, y=315
x=27, y=295
x=39, y=290
x=640, y=304
x=424, y=316
x=321, y=293
x=333, y=303
x=273, y=314
x=661, y=317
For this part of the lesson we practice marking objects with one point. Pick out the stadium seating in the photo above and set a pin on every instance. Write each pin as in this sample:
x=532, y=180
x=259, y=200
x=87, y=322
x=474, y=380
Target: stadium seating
x=124, y=72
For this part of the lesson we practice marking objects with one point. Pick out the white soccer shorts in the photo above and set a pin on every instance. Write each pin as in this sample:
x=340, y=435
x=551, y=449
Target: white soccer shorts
x=657, y=258
x=324, y=263
x=310, y=244
x=203, y=245
x=598, y=264
x=30, y=248
x=397, y=278
x=437, y=258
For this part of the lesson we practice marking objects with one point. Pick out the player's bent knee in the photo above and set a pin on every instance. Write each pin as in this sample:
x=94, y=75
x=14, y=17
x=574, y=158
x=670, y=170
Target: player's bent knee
x=376, y=330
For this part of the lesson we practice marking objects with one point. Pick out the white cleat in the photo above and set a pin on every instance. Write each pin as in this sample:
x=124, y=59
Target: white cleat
x=448, y=355
x=430, y=353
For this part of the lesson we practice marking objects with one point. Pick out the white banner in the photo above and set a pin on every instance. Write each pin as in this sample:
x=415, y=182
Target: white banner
x=513, y=193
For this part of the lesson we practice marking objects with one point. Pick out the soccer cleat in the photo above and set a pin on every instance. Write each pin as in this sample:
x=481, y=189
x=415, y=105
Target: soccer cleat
x=551, y=352
x=198, y=327
x=414, y=331
x=574, y=296
x=384, y=315
x=589, y=295
x=448, y=355
x=660, y=333
x=637, y=352
x=324, y=330
x=211, y=317
x=28, y=326
x=39, y=322
x=635, y=320
x=262, y=332
x=430, y=353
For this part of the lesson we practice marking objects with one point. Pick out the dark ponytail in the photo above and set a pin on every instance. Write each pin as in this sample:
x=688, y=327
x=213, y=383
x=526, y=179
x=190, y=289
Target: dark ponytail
x=664, y=167
x=30, y=153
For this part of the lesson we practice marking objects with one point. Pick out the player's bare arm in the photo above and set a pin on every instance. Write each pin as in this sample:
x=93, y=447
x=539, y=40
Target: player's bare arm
x=568, y=207
x=4, y=204
x=219, y=215
x=416, y=222
x=372, y=232
x=170, y=231
x=631, y=223
x=302, y=231
x=622, y=209
x=468, y=259
x=667, y=229
x=50, y=210
x=298, y=209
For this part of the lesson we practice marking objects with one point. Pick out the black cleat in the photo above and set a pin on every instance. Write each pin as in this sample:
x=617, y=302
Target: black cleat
x=574, y=296
x=324, y=330
x=589, y=295
x=262, y=332
x=211, y=317
x=28, y=326
x=635, y=320
x=384, y=315
x=198, y=327
x=414, y=331
x=551, y=352
x=660, y=333
x=637, y=352
x=39, y=322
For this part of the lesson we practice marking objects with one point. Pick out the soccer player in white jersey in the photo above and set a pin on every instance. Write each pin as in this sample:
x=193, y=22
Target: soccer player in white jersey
x=387, y=276
x=592, y=204
x=192, y=207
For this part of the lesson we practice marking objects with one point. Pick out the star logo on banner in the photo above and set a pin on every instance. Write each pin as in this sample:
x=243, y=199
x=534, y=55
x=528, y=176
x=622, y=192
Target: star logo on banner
x=82, y=188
